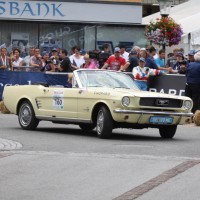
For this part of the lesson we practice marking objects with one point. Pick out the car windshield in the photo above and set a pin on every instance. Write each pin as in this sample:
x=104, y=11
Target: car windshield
x=104, y=78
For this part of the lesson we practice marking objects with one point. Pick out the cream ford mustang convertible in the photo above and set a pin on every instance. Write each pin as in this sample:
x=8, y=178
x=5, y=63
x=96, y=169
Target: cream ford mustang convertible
x=98, y=98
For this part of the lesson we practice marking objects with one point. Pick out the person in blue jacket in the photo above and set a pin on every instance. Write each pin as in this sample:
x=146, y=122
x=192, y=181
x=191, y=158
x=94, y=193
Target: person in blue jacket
x=192, y=88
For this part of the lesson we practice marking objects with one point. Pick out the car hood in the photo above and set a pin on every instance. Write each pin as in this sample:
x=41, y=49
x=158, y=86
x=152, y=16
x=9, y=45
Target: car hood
x=138, y=93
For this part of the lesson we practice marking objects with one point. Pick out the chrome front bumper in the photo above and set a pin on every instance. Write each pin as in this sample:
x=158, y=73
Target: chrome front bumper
x=143, y=112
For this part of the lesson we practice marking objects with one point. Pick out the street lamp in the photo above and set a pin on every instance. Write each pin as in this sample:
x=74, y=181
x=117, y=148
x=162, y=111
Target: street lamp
x=165, y=6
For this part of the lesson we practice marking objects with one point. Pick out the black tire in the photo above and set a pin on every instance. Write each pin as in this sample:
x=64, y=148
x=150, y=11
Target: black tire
x=168, y=132
x=87, y=127
x=104, y=123
x=26, y=116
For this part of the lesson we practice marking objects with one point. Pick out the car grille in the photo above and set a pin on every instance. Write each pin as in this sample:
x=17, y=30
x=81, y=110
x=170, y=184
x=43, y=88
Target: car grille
x=161, y=102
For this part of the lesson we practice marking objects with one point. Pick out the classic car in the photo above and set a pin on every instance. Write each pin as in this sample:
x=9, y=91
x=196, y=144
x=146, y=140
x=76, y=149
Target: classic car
x=98, y=98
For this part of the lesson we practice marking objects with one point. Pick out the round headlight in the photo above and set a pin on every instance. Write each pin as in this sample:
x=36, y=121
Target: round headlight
x=187, y=104
x=125, y=101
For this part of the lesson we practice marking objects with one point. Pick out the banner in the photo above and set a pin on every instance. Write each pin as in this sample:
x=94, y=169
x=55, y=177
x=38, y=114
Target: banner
x=8, y=78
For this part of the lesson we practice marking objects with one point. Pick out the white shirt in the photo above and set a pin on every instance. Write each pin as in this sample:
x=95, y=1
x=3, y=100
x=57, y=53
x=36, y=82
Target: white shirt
x=17, y=62
x=77, y=61
x=125, y=55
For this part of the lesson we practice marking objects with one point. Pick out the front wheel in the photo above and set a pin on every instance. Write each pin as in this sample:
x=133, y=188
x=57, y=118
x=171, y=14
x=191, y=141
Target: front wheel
x=167, y=132
x=104, y=123
x=26, y=116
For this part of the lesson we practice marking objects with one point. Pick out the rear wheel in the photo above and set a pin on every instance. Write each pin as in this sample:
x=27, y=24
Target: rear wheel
x=104, y=123
x=168, y=131
x=87, y=127
x=26, y=116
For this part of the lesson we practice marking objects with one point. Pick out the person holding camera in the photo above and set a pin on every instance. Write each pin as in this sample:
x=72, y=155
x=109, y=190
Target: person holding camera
x=180, y=65
x=47, y=64
x=141, y=74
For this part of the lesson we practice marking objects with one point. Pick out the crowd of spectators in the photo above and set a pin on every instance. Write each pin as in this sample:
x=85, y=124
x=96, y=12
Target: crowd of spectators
x=59, y=60
x=141, y=62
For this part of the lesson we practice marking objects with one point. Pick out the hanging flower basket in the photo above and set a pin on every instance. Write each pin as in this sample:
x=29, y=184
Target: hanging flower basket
x=164, y=31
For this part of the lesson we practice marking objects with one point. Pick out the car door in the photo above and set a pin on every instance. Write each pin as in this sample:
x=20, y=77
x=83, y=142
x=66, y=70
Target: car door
x=58, y=102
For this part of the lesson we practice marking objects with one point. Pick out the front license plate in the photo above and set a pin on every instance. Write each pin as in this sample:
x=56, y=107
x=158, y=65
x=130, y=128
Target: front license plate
x=161, y=120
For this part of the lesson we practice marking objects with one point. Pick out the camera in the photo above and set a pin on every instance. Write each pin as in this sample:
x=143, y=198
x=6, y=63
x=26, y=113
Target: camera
x=183, y=62
x=53, y=60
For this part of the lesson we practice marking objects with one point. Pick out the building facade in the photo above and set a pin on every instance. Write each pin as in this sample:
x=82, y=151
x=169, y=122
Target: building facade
x=88, y=24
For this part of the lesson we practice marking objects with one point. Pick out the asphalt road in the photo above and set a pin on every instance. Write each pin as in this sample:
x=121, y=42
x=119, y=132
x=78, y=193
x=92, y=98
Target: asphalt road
x=62, y=162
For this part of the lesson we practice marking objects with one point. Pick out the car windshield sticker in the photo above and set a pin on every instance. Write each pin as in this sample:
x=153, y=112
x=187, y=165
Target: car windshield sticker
x=58, y=100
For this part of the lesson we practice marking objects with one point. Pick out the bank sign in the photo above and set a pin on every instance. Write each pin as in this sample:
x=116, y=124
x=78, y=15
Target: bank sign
x=70, y=11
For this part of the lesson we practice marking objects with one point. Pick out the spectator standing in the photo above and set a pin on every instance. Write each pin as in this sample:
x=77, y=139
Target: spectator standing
x=104, y=54
x=180, y=65
x=149, y=60
x=27, y=58
x=132, y=62
x=123, y=52
x=115, y=62
x=172, y=60
x=89, y=63
x=160, y=61
x=17, y=61
x=46, y=63
x=36, y=59
x=136, y=48
x=141, y=74
x=192, y=88
x=65, y=64
x=76, y=59
x=191, y=56
x=5, y=63
x=55, y=56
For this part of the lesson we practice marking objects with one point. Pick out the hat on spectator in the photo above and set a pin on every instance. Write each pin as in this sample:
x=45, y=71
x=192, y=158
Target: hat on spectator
x=54, y=49
x=117, y=49
x=133, y=52
x=142, y=60
x=191, y=53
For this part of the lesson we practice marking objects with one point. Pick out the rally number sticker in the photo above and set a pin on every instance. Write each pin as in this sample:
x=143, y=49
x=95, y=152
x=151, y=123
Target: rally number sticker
x=58, y=99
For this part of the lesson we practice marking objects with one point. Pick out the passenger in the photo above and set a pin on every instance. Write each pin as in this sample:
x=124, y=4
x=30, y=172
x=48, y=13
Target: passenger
x=141, y=74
